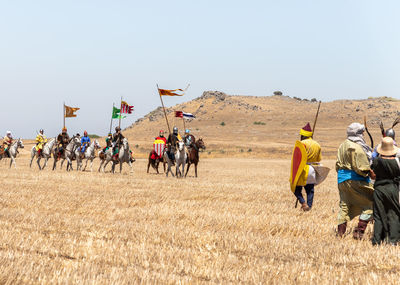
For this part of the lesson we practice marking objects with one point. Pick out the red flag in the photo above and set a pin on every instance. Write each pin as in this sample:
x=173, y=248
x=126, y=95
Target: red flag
x=126, y=108
x=178, y=114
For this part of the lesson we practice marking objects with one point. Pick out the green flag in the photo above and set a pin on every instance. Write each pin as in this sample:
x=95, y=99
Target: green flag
x=115, y=113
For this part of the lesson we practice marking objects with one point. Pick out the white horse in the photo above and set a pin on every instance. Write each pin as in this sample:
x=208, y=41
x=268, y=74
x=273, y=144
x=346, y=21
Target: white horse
x=46, y=153
x=89, y=155
x=123, y=156
x=107, y=158
x=68, y=153
x=180, y=159
x=13, y=150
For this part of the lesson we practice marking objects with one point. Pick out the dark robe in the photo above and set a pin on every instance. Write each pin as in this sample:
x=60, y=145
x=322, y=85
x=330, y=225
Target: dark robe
x=386, y=201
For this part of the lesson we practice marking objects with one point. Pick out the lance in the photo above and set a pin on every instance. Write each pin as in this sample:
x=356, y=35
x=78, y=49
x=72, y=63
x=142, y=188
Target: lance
x=369, y=134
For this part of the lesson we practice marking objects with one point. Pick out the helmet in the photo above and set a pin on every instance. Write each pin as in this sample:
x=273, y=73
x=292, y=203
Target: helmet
x=41, y=131
x=161, y=133
x=390, y=133
x=175, y=130
x=85, y=133
x=8, y=134
x=117, y=129
x=187, y=131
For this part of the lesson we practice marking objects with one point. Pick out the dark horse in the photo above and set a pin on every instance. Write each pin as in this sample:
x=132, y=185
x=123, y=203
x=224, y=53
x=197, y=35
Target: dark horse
x=193, y=155
x=155, y=162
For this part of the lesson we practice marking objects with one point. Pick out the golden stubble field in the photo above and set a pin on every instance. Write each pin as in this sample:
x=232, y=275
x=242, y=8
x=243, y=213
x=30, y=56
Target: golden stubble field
x=236, y=223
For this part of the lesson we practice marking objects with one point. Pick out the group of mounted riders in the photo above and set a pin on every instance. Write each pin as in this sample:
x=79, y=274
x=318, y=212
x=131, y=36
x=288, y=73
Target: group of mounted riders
x=166, y=149
x=113, y=141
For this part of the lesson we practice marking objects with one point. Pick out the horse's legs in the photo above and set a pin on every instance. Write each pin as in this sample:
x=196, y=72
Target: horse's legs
x=164, y=165
x=55, y=163
x=187, y=169
x=38, y=163
x=32, y=157
x=148, y=166
x=91, y=165
x=157, y=164
x=130, y=165
x=45, y=162
x=120, y=166
x=195, y=169
x=85, y=165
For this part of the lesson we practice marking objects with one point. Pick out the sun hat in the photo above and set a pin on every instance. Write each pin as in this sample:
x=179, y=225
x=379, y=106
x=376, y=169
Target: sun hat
x=387, y=147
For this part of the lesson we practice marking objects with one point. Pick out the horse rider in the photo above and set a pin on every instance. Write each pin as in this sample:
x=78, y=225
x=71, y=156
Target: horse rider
x=62, y=141
x=41, y=140
x=189, y=139
x=172, y=143
x=160, y=137
x=85, y=142
x=108, y=143
x=117, y=141
x=7, y=141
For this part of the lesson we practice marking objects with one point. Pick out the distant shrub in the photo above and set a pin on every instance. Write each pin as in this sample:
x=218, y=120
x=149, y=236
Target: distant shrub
x=137, y=146
x=278, y=93
x=222, y=151
x=313, y=100
x=249, y=150
x=209, y=152
x=241, y=150
x=94, y=136
x=297, y=98
x=259, y=123
x=222, y=124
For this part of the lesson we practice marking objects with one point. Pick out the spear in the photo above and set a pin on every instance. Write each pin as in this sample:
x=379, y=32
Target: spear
x=369, y=134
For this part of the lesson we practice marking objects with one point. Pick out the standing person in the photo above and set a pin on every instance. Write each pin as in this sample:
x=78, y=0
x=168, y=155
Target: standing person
x=62, y=141
x=386, y=172
x=307, y=178
x=7, y=141
x=85, y=142
x=355, y=189
x=41, y=140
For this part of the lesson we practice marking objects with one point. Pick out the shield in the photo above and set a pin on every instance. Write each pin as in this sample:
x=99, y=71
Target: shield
x=321, y=173
x=159, y=146
x=299, y=160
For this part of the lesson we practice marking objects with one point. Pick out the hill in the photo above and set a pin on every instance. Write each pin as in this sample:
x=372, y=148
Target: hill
x=233, y=125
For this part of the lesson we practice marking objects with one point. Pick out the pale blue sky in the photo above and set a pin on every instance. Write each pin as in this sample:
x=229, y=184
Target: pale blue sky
x=89, y=53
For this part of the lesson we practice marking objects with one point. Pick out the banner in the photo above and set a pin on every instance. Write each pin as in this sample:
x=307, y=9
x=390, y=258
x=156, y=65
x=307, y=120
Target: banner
x=70, y=111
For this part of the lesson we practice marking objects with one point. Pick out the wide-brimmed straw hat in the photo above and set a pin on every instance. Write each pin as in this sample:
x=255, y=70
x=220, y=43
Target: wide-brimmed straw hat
x=387, y=147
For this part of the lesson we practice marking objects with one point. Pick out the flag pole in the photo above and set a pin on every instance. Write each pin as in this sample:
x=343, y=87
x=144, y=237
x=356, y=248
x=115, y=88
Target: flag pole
x=120, y=112
x=184, y=126
x=165, y=113
x=112, y=113
x=64, y=114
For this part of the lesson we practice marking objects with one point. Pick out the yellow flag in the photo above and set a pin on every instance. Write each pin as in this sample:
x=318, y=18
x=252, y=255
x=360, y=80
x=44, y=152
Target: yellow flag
x=69, y=111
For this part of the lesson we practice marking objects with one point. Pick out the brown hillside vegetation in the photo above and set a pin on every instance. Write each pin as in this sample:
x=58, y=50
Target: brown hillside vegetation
x=264, y=126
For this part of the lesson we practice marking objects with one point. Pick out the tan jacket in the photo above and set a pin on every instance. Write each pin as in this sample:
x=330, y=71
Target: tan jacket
x=351, y=156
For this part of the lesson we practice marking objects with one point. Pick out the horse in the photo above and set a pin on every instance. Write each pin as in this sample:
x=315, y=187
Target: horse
x=193, y=155
x=13, y=150
x=123, y=156
x=105, y=158
x=180, y=159
x=46, y=153
x=155, y=162
x=88, y=155
x=68, y=153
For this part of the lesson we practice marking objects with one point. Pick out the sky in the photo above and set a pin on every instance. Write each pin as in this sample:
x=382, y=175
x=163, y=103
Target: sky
x=89, y=53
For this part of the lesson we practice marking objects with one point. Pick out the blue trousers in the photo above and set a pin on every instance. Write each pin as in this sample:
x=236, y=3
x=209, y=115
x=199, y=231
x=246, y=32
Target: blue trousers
x=309, y=191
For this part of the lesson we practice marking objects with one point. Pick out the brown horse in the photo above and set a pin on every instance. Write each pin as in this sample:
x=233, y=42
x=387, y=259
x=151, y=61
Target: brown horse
x=193, y=155
x=155, y=162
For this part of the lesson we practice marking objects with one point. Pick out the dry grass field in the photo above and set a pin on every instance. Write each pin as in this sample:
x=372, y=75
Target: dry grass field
x=236, y=223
